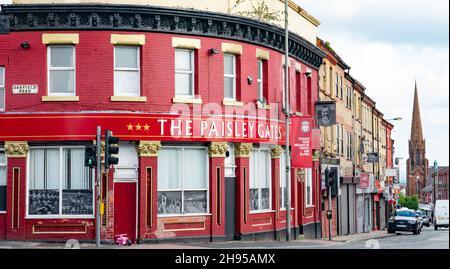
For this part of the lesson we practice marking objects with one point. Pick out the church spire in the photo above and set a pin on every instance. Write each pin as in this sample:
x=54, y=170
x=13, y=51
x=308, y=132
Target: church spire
x=416, y=126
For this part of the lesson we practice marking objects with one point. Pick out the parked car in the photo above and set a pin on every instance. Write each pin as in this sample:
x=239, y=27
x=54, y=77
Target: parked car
x=441, y=214
x=425, y=221
x=404, y=220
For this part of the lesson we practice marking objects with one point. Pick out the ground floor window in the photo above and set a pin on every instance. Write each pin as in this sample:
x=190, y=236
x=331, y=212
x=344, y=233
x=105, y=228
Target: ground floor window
x=183, y=180
x=2, y=181
x=308, y=187
x=59, y=183
x=260, y=183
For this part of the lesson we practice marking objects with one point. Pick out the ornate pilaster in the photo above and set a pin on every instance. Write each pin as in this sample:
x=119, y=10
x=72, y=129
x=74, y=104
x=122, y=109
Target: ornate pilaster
x=16, y=149
x=242, y=150
x=316, y=155
x=276, y=152
x=218, y=149
x=148, y=148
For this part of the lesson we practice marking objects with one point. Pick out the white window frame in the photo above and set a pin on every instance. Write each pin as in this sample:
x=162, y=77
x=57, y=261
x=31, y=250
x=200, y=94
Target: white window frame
x=3, y=88
x=309, y=182
x=182, y=189
x=252, y=170
x=233, y=76
x=138, y=70
x=50, y=68
x=5, y=164
x=184, y=72
x=341, y=87
x=282, y=180
x=60, y=215
x=260, y=79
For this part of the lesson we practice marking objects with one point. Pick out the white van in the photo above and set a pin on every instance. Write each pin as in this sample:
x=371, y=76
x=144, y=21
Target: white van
x=441, y=214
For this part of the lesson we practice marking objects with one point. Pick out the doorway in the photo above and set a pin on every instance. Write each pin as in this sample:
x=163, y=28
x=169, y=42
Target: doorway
x=125, y=209
x=230, y=208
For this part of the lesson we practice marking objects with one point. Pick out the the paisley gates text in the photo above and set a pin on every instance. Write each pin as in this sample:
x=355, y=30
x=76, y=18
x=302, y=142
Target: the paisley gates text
x=219, y=129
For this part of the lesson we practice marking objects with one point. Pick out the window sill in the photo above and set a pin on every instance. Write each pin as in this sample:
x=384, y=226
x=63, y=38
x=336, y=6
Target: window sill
x=263, y=106
x=60, y=217
x=181, y=100
x=300, y=114
x=60, y=98
x=2, y=212
x=261, y=211
x=232, y=103
x=184, y=215
x=128, y=99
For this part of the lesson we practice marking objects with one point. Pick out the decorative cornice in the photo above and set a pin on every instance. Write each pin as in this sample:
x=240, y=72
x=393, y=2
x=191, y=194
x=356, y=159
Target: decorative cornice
x=16, y=149
x=148, y=148
x=276, y=152
x=155, y=19
x=242, y=150
x=218, y=149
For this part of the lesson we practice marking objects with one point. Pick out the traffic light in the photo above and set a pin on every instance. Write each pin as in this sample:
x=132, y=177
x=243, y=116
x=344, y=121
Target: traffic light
x=329, y=177
x=90, y=156
x=111, y=148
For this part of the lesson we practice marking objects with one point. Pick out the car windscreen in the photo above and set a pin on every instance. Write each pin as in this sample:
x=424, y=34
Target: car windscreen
x=405, y=214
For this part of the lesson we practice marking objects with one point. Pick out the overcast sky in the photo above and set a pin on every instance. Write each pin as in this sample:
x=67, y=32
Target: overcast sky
x=389, y=44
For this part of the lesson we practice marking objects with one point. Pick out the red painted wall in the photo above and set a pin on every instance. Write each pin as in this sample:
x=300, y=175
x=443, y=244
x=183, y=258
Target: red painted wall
x=94, y=73
x=94, y=86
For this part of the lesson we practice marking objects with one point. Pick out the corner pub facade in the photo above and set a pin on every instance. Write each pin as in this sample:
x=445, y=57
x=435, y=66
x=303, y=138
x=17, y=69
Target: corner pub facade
x=195, y=97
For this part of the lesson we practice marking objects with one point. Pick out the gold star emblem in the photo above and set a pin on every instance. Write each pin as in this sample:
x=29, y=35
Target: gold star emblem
x=146, y=127
x=138, y=127
x=130, y=127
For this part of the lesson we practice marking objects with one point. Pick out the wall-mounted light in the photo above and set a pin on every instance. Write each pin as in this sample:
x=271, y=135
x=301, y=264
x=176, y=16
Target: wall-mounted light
x=308, y=73
x=25, y=45
x=249, y=80
x=213, y=51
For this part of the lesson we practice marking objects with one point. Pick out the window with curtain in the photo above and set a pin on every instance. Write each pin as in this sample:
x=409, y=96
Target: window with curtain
x=337, y=85
x=260, y=180
x=61, y=70
x=308, y=187
x=127, y=81
x=282, y=193
x=59, y=183
x=229, y=76
x=184, y=73
x=2, y=181
x=2, y=88
x=182, y=180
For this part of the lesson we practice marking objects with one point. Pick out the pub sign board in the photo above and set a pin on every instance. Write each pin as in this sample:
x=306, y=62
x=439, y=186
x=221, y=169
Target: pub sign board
x=372, y=157
x=326, y=113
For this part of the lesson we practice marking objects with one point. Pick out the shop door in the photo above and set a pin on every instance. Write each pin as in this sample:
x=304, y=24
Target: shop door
x=344, y=210
x=367, y=212
x=230, y=208
x=352, y=209
x=125, y=217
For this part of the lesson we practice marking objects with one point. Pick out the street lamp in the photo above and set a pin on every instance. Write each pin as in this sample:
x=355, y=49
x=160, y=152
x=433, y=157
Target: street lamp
x=436, y=168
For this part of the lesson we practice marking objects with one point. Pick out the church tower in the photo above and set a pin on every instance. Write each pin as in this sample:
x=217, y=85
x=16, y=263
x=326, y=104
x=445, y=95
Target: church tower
x=417, y=164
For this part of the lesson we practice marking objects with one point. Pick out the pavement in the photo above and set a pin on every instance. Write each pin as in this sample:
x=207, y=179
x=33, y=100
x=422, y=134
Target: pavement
x=294, y=244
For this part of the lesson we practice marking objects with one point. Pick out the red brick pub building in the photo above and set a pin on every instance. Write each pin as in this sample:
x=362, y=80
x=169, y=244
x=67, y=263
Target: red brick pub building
x=196, y=99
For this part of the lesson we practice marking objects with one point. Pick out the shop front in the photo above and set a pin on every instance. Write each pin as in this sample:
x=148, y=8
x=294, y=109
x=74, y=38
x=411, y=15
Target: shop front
x=167, y=188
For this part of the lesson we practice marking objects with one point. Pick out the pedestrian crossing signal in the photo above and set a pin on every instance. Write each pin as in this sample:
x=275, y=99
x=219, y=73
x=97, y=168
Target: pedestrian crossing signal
x=90, y=156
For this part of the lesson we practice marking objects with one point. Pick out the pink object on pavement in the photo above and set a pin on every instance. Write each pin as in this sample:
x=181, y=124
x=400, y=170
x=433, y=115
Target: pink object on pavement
x=123, y=239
